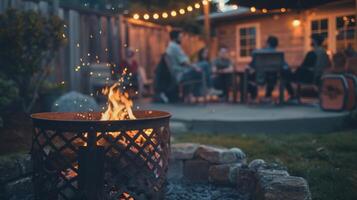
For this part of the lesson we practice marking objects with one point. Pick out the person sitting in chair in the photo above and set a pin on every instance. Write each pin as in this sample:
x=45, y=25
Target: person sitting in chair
x=315, y=63
x=182, y=69
x=270, y=78
x=222, y=67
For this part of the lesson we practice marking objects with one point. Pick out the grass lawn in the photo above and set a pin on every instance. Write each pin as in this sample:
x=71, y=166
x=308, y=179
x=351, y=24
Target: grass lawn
x=327, y=161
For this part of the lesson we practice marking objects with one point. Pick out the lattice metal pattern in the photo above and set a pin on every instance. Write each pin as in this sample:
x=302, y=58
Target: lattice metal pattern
x=135, y=155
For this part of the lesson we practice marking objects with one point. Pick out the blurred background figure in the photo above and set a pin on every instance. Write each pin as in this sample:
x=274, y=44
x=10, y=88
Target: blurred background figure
x=223, y=67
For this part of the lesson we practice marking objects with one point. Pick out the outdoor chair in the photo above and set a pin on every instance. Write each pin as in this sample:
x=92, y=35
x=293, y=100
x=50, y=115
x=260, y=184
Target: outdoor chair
x=185, y=88
x=264, y=62
x=146, y=85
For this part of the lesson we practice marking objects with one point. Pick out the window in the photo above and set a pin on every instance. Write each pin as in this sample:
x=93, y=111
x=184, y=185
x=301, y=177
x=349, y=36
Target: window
x=247, y=40
x=320, y=27
x=346, y=32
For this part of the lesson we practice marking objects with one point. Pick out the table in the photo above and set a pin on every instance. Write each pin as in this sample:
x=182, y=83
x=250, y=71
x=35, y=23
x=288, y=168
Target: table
x=243, y=80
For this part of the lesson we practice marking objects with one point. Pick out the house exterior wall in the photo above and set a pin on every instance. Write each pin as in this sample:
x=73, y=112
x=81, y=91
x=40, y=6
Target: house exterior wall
x=294, y=41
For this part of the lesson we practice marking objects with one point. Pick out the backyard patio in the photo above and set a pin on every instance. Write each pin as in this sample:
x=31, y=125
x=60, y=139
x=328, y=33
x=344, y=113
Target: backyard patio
x=178, y=100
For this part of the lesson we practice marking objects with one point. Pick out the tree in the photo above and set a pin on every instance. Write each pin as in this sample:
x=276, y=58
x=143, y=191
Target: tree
x=28, y=43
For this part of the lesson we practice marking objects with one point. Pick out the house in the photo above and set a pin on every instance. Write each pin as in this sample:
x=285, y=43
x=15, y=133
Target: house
x=246, y=29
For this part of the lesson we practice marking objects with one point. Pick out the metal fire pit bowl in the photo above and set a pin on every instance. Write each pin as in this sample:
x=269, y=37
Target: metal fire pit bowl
x=77, y=156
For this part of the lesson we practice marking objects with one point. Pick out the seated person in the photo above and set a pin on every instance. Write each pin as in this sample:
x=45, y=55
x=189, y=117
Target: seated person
x=315, y=63
x=205, y=65
x=132, y=65
x=269, y=77
x=180, y=65
x=222, y=66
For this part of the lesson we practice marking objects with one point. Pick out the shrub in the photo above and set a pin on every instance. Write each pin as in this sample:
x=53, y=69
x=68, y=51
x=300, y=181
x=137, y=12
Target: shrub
x=28, y=43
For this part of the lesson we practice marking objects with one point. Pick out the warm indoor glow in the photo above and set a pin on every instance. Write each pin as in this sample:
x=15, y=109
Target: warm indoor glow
x=189, y=8
x=136, y=16
x=173, y=13
x=182, y=11
x=156, y=16
x=296, y=22
x=165, y=15
x=146, y=16
x=197, y=5
x=253, y=9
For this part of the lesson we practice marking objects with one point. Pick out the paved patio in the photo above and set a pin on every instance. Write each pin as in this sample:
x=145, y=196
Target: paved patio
x=235, y=118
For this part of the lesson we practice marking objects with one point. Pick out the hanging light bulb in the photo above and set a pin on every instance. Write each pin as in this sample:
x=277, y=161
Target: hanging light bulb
x=283, y=10
x=204, y=2
x=173, y=13
x=156, y=16
x=182, y=11
x=189, y=8
x=136, y=16
x=165, y=15
x=146, y=16
x=197, y=5
x=264, y=10
x=253, y=9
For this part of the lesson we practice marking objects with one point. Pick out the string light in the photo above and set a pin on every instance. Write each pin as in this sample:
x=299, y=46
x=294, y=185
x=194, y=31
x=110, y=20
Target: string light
x=253, y=9
x=165, y=15
x=136, y=16
x=264, y=10
x=173, y=13
x=182, y=11
x=146, y=16
x=283, y=9
x=156, y=16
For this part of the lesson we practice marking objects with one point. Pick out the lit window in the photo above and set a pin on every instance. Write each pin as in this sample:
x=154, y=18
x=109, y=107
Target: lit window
x=320, y=27
x=346, y=32
x=247, y=41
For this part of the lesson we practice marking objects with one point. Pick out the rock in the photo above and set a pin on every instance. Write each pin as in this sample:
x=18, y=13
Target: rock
x=75, y=102
x=285, y=187
x=14, y=166
x=175, y=169
x=223, y=174
x=19, y=189
x=256, y=164
x=266, y=175
x=196, y=170
x=239, y=154
x=216, y=155
x=246, y=181
x=183, y=151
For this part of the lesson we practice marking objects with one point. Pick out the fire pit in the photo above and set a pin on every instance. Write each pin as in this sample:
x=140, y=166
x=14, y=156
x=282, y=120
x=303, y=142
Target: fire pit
x=80, y=156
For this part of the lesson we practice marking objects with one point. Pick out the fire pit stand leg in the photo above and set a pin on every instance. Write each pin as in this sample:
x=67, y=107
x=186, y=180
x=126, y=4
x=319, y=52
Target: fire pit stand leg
x=91, y=169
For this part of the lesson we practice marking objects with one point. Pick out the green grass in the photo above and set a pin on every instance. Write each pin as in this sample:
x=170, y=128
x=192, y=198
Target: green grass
x=327, y=161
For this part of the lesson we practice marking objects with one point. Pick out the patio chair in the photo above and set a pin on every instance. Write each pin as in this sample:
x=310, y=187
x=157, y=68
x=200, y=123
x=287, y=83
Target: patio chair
x=146, y=85
x=264, y=62
x=182, y=86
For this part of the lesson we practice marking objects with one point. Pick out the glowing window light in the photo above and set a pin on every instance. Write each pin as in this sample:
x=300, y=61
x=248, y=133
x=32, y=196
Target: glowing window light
x=264, y=10
x=156, y=16
x=146, y=16
x=136, y=16
x=197, y=6
x=182, y=11
x=253, y=9
x=165, y=15
x=189, y=8
x=173, y=13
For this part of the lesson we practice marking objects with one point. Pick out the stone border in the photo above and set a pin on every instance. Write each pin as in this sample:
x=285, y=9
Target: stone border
x=194, y=162
x=256, y=180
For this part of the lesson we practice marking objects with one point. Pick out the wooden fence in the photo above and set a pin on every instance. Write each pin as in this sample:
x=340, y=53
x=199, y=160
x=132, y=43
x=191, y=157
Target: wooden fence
x=93, y=36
